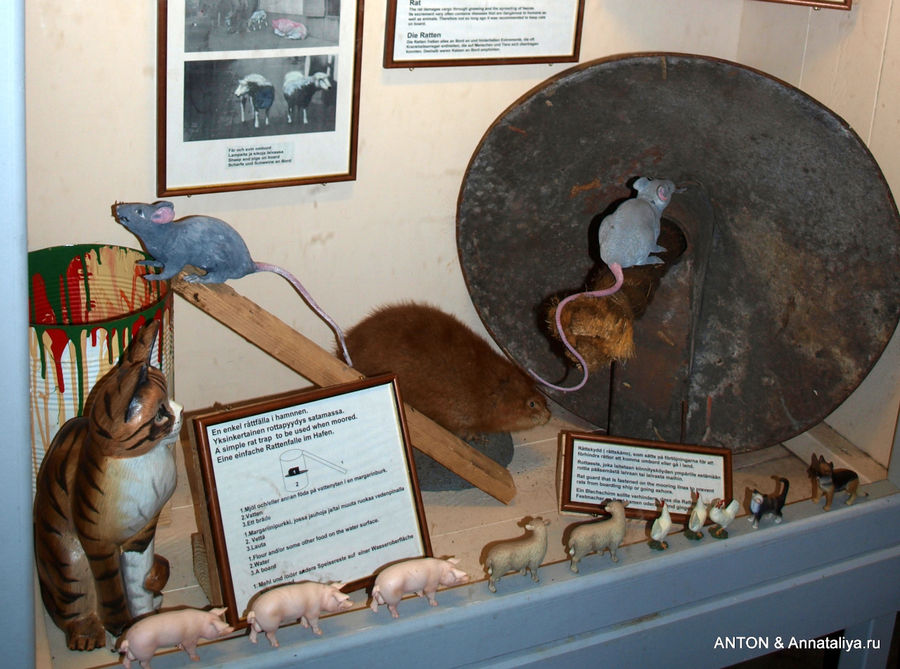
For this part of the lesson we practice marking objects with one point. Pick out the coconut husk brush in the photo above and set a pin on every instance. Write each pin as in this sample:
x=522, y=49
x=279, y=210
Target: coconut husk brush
x=600, y=329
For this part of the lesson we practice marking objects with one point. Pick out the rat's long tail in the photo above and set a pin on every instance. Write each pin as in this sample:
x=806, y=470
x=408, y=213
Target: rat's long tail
x=266, y=267
x=616, y=269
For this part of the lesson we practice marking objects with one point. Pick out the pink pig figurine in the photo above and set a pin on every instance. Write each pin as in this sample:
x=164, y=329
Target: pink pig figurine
x=304, y=600
x=420, y=575
x=183, y=628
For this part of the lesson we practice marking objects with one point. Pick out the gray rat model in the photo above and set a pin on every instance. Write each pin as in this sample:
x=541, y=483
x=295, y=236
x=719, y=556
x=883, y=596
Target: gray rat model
x=207, y=243
x=628, y=237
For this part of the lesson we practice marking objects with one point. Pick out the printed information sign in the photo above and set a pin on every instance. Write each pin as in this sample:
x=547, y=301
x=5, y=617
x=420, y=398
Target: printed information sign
x=466, y=32
x=314, y=486
x=598, y=468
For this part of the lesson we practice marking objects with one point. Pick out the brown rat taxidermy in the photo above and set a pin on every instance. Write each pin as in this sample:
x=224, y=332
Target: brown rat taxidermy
x=446, y=371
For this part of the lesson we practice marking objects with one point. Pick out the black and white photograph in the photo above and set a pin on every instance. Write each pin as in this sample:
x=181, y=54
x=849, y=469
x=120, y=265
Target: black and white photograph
x=256, y=93
x=256, y=97
x=244, y=25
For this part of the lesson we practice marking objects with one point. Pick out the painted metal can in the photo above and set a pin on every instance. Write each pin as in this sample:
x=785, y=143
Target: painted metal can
x=85, y=303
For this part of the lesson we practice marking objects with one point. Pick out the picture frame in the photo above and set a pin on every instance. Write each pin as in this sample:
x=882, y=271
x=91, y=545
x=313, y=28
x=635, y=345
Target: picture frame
x=443, y=33
x=597, y=468
x=224, y=81
x=314, y=485
x=818, y=4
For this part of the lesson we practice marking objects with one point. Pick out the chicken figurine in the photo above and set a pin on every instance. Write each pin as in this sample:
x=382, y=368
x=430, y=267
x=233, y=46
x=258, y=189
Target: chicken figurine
x=722, y=515
x=694, y=528
x=660, y=529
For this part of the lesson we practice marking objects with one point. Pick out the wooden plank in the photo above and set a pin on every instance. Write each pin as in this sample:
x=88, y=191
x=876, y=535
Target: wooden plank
x=307, y=358
x=760, y=583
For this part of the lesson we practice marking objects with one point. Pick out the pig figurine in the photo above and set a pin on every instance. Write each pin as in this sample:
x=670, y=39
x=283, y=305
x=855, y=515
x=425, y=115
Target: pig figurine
x=303, y=601
x=420, y=575
x=183, y=628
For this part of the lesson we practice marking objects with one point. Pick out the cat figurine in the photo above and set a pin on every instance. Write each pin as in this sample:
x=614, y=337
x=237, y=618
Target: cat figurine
x=825, y=478
x=764, y=505
x=99, y=492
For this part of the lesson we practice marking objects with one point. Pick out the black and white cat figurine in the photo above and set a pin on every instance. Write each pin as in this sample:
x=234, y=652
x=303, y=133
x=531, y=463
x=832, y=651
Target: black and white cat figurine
x=768, y=505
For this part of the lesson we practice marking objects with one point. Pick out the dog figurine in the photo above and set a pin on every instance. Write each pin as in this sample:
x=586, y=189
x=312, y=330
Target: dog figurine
x=825, y=478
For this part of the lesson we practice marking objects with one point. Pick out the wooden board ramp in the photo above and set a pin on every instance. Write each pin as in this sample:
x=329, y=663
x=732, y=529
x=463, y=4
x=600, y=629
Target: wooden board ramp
x=282, y=342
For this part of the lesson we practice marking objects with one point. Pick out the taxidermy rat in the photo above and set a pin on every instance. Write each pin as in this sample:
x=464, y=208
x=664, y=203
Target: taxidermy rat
x=446, y=371
x=628, y=237
x=205, y=242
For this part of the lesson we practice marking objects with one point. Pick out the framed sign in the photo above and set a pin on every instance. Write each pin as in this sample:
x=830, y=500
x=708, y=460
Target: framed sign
x=599, y=468
x=440, y=33
x=249, y=98
x=314, y=485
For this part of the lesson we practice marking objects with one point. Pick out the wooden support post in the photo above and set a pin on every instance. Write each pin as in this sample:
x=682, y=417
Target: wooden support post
x=307, y=358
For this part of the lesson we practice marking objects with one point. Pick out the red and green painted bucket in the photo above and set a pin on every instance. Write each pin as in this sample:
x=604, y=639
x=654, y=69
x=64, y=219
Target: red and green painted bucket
x=86, y=302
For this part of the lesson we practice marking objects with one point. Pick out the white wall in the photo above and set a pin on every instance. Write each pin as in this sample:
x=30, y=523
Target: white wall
x=390, y=234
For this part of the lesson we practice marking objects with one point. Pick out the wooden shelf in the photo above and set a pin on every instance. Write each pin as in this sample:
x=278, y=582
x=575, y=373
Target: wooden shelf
x=780, y=580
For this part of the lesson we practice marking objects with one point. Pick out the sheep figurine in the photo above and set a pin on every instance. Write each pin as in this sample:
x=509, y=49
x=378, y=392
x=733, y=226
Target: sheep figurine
x=523, y=554
x=597, y=536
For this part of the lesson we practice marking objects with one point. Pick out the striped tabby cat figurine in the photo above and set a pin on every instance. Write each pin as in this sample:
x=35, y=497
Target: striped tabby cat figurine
x=100, y=489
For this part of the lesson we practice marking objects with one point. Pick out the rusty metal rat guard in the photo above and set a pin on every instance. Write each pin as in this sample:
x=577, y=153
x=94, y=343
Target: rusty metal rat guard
x=788, y=291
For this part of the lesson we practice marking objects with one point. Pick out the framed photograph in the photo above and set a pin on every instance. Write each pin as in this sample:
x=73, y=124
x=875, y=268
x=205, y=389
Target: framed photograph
x=441, y=33
x=599, y=468
x=315, y=485
x=831, y=4
x=256, y=94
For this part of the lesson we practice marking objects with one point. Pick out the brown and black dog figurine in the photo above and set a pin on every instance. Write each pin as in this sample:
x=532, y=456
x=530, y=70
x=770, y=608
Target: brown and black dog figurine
x=825, y=478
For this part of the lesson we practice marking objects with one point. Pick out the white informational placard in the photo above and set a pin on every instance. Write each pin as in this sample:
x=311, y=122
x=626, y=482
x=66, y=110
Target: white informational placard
x=596, y=469
x=310, y=487
x=457, y=32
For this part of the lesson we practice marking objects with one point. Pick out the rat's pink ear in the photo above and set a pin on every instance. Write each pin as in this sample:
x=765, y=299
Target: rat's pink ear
x=165, y=212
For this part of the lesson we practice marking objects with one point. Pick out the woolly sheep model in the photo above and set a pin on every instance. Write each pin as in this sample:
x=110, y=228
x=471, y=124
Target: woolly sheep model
x=523, y=554
x=597, y=536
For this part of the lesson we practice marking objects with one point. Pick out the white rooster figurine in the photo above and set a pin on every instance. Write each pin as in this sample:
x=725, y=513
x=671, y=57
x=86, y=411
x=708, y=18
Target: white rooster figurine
x=660, y=529
x=722, y=515
x=694, y=527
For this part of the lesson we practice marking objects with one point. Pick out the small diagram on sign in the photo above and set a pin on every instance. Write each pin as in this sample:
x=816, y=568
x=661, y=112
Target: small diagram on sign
x=295, y=470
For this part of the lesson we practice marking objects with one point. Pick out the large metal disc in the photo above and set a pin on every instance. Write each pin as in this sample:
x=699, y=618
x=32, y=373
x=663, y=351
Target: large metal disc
x=787, y=206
